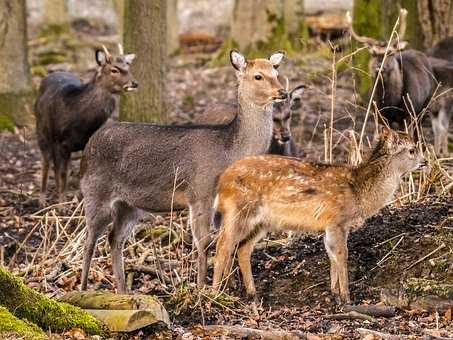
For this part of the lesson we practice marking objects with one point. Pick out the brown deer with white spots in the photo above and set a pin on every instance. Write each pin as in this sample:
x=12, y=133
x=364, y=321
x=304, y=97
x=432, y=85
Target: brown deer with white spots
x=260, y=194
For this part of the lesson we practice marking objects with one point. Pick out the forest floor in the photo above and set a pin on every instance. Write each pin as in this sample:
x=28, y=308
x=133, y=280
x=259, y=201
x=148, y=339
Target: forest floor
x=292, y=273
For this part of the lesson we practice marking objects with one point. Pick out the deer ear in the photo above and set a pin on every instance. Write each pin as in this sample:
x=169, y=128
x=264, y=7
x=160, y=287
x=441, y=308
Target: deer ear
x=401, y=45
x=101, y=58
x=238, y=60
x=387, y=134
x=129, y=58
x=277, y=58
x=297, y=91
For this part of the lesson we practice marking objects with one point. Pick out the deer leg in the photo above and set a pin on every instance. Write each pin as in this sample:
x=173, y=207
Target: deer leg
x=45, y=177
x=97, y=223
x=63, y=173
x=244, y=254
x=440, y=123
x=124, y=220
x=200, y=216
x=223, y=255
x=336, y=245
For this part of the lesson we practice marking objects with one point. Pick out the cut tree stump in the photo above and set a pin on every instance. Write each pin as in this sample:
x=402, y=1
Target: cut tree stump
x=120, y=312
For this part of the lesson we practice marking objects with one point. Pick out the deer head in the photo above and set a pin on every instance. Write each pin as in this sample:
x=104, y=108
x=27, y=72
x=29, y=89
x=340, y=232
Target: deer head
x=114, y=73
x=282, y=113
x=258, y=78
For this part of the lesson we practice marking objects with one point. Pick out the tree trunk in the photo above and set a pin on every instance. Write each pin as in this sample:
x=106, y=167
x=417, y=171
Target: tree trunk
x=260, y=27
x=376, y=18
x=15, y=82
x=172, y=27
x=145, y=34
x=55, y=15
x=436, y=20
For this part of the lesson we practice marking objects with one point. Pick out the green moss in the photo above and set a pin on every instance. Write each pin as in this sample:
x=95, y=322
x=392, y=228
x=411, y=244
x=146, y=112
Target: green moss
x=51, y=57
x=424, y=287
x=53, y=30
x=28, y=304
x=6, y=124
x=14, y=328
x=39, y=71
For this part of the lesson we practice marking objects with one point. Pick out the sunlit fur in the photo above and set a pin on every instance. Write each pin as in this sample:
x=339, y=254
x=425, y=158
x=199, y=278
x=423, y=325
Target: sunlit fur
x=264, y=193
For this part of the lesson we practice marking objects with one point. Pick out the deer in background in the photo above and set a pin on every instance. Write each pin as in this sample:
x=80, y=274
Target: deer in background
x=69, y=111
x=282, y=142
x=409, y=79
x=267, y=193
x=128, y=168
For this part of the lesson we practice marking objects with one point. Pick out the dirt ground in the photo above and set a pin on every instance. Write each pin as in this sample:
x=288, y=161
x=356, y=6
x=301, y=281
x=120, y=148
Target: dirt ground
x=291, y=273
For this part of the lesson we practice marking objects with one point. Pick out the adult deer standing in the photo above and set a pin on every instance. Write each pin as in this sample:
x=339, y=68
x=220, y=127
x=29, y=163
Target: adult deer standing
x=264, y=193
x=132, y=167
x=69, y=111
x=405, y=78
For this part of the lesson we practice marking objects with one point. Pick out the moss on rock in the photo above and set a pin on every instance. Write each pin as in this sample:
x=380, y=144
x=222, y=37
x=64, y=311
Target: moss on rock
x=12, y=327
x=29, y=304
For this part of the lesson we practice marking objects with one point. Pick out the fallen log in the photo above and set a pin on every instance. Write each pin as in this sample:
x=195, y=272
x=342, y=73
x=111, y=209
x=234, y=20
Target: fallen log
x=26, y=303
x=252, y=333
x=352, y=315
x=12, y=327
x=120, y=312
x=373, y=310
x=125, y=320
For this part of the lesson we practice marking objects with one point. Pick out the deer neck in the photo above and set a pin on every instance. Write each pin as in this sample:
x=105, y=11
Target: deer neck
x=375, y=182
x=253, y=128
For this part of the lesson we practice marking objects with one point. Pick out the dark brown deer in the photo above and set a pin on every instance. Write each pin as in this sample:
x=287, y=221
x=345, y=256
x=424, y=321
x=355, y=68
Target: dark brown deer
x=282, y=142
x=133, y=167
x=263, y=193
x=406, y=81
x=69, y=111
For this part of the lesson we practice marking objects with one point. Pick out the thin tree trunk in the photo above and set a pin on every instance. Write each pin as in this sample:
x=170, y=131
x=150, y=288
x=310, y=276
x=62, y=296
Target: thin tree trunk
x=145, y=34
x=15, y=80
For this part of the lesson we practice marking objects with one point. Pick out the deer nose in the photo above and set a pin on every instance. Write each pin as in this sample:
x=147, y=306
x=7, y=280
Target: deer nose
x=283, y=94
x=134, y=83
x=285, y=138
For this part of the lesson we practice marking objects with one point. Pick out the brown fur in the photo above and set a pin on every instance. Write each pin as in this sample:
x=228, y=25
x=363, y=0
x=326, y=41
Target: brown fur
x=279, y=193
x=135, y=167
x=68, y=111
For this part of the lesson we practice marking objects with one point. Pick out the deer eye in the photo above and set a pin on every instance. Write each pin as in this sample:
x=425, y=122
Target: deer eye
x=114, y=70
x=258, y=77
x=412, y=151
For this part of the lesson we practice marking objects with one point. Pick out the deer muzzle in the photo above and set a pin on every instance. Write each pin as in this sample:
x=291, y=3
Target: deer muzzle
x=132, y=86
x=281, y=96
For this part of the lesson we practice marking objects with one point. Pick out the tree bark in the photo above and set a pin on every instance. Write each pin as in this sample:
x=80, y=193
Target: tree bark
x=55, y=14
x=15, y=80
x=172, y=27
x=145, y=34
